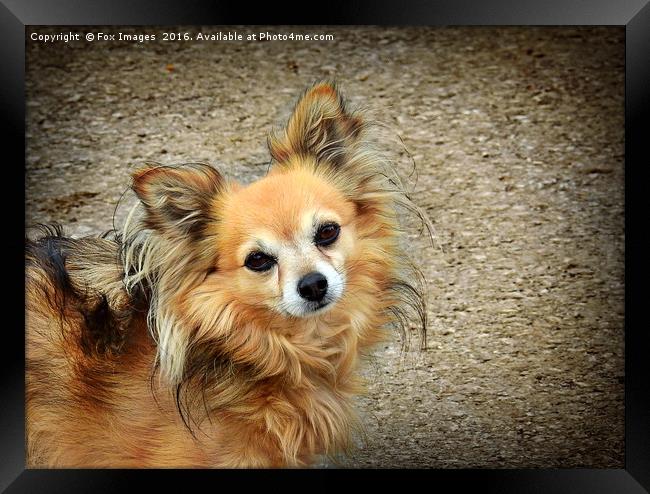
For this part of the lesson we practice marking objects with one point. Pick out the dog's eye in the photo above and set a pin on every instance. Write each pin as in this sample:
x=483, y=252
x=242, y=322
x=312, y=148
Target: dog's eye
x=259, y=261
x=327, y=234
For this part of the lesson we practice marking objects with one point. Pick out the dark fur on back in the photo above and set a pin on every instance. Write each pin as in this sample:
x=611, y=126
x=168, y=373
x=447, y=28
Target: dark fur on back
x=49, y=253
x=103, y=327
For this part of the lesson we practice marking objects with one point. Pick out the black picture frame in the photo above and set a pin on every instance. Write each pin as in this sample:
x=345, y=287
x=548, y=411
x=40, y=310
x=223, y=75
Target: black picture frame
x=15, y=15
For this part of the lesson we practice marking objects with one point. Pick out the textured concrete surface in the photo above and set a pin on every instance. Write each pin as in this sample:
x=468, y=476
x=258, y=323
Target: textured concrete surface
x=518, y=139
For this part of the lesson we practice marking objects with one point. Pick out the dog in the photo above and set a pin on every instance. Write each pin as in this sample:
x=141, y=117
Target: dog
x=225, y=324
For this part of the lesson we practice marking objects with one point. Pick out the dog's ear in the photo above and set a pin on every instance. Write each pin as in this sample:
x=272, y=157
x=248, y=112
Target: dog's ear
x=320, y=126
x=177, y=200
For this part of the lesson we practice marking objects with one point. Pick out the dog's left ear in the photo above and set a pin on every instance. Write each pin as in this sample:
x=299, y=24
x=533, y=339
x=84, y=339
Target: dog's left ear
x=177, y=200
x=320, y=126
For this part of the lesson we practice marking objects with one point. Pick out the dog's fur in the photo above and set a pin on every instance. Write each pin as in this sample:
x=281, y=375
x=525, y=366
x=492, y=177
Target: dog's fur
x=159, y=348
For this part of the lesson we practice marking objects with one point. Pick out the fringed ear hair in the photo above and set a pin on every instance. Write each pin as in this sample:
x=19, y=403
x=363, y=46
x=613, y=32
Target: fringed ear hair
x=320, y=126
x=177, y=200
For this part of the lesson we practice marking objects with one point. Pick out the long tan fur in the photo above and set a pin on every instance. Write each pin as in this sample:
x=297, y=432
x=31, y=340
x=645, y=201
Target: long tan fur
x=158, y=349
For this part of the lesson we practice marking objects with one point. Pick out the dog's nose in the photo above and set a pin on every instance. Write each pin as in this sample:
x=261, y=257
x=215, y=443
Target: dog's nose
x=313, y=287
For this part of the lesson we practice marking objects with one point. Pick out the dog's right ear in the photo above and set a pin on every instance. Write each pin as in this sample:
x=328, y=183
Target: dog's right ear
x=320, y=126
x=177, y=200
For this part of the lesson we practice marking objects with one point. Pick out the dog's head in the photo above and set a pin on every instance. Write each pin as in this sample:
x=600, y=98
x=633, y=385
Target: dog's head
x=284, y=243
x=316, y=238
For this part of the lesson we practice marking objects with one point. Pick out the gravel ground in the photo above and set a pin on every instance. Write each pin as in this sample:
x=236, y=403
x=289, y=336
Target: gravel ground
x=518, y=138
